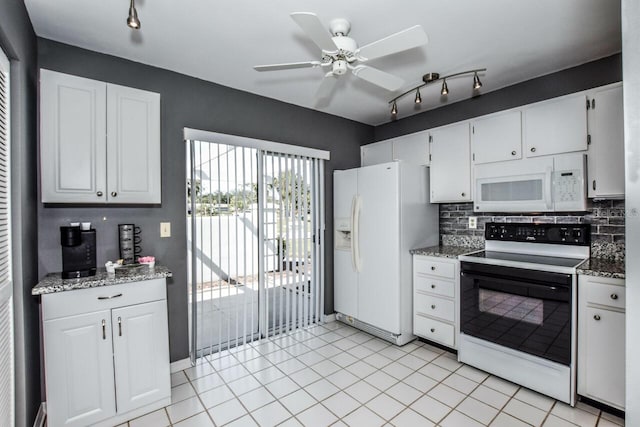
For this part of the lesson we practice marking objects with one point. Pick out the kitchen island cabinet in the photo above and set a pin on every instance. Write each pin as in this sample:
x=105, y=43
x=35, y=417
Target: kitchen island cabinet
x=106, y=350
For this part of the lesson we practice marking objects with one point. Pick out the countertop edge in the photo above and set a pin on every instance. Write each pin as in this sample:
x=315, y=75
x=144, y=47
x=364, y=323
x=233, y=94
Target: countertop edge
x=443, y=251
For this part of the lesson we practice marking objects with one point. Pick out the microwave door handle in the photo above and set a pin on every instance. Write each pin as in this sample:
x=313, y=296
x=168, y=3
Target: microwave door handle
x=548, y=195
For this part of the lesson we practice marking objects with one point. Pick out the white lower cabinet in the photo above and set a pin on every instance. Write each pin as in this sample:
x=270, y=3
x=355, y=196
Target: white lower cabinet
x=106, y=353
x=601, y=340
x=435, y=299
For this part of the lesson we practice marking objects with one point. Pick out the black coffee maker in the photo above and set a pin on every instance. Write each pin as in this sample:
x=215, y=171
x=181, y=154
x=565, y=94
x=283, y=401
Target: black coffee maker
x=78, y=252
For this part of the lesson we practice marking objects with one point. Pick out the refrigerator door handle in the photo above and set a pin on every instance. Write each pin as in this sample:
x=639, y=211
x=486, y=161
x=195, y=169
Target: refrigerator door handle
x=355, y=231
x=354, y=201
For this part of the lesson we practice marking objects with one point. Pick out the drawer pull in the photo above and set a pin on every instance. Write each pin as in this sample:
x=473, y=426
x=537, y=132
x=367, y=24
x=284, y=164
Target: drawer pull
x=433, y=268
x=104, y=329
x=533, y=149
x=433, y=306
x=513, y=153
x=614, y=296
x=111, y=297
x=119, y=326
x=433, y=286
x=596, y=317
x=433, y=330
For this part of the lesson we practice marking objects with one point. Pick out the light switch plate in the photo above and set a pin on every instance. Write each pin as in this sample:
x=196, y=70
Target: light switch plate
x=165, y=229
x=473, y=222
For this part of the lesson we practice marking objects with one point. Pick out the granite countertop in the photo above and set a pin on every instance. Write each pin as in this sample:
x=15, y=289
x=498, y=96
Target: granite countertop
x=444, y=251
x=602, y=267
x=53, y=282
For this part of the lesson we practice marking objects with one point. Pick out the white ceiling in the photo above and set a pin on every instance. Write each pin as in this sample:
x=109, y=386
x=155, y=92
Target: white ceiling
x=220, y=41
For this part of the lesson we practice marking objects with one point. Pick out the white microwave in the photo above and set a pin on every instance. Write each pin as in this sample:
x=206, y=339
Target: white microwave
x=542, y=184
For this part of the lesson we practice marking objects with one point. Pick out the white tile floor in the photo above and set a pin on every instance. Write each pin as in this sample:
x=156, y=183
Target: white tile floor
x=337, y=375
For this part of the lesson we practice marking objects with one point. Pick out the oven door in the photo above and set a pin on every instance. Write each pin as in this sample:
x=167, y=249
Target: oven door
x=526, y=310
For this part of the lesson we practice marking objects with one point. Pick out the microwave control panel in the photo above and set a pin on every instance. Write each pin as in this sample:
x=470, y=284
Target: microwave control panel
x=568, y=234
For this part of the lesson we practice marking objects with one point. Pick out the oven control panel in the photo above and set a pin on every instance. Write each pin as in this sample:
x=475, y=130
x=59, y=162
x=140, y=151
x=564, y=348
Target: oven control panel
x=569, y=234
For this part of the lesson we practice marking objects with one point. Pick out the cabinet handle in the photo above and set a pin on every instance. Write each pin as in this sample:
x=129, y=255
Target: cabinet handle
x=114, y=194
x=462, y=194
x=433, y=267
x=104, y=329
x=614, y=296
x=513, y=153
x=433, y=306
x=596, y=317
x=111, y=297
x=533, y=149
x=594, y=184
x=119, y=326
x=433, y=330
x=433, y=286
x=99, y=194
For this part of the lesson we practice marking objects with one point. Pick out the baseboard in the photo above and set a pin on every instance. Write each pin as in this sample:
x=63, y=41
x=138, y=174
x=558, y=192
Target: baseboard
x=179, y=365
x=326, y=318
x=41, y=416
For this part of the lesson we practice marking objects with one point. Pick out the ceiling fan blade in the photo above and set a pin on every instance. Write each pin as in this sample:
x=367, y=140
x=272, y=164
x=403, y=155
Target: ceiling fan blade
x=405, y=39
x=326, y=88
x=311, y=25
x=287, y=66
x=378, y=78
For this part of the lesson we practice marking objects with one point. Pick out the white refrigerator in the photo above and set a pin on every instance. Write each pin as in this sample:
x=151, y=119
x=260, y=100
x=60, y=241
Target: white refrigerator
x=380, y=212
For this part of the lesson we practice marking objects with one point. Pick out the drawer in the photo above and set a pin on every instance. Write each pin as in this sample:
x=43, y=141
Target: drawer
x=432, y=285
x=434, y=306
x=434, y=268
x=604, y=294
x=434, y=330
x=79, y=301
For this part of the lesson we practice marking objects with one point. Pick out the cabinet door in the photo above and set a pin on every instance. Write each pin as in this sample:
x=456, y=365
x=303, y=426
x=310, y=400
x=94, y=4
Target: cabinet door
x=450, y=172
x=496, y=138
x=412, y=148
x=133, y=142
x=556, y=126
x=603, y=336
x=606, y=152
x=141, y=354
x=379, y=152
x=72, y=139
x=79, y=368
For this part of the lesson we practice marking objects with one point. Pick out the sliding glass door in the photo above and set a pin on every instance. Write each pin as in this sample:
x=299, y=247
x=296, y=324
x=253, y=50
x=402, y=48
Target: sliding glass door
x=253, y=218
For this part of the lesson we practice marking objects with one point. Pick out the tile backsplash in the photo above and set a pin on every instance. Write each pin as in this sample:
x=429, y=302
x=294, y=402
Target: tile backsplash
x=607, y=219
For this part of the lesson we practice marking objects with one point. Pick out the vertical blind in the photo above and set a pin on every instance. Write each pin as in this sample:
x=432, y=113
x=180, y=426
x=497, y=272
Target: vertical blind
x=6, y=291
x=255, y=243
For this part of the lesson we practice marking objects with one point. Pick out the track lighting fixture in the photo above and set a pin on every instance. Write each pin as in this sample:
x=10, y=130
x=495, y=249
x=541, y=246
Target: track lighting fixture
x=418, y=99
x=477, y=84
x=132, y=20
x=445, y=89
x=431, y=78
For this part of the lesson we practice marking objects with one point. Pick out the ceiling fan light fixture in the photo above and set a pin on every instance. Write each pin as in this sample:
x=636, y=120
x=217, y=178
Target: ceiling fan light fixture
x=132, y=19
x=477, y=84
x=445, y=89
x=418, y=99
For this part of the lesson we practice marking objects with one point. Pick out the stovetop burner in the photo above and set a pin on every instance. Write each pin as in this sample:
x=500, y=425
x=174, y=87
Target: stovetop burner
x=528, y=258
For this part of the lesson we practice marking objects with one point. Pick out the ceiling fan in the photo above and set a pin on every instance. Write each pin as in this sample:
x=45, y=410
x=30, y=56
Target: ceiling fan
x=341, y=53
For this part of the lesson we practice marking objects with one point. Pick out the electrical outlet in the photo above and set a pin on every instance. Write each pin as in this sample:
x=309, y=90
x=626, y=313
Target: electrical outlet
x=165, y=229
x=473, y=222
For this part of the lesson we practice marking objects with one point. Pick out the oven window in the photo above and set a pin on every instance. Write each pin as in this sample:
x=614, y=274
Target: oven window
x=516, y=307
x=511, y=191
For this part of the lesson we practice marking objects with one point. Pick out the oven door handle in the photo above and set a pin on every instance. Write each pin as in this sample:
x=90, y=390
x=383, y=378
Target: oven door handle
x=551, y=291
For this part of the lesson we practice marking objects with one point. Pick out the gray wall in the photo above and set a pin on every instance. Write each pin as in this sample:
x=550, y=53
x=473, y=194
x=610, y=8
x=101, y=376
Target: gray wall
x=631, y=88
x=189, y=102
x=18, y=41
x=586, y=76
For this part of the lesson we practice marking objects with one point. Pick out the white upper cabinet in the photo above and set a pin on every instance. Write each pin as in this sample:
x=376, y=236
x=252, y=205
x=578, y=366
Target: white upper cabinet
x=496, y=137
x=99, y=143
x=606, y=150
x=450, y=171
x=556, y=126
x=133, y=141
x=412, y=148
x=376, y=153
x=72, y=138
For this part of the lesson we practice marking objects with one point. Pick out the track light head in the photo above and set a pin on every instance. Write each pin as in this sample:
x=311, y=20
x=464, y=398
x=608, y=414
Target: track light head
x=394, y=109
x=445, y=89
x=418, y=99
x=132, y=20
x=477, y=84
